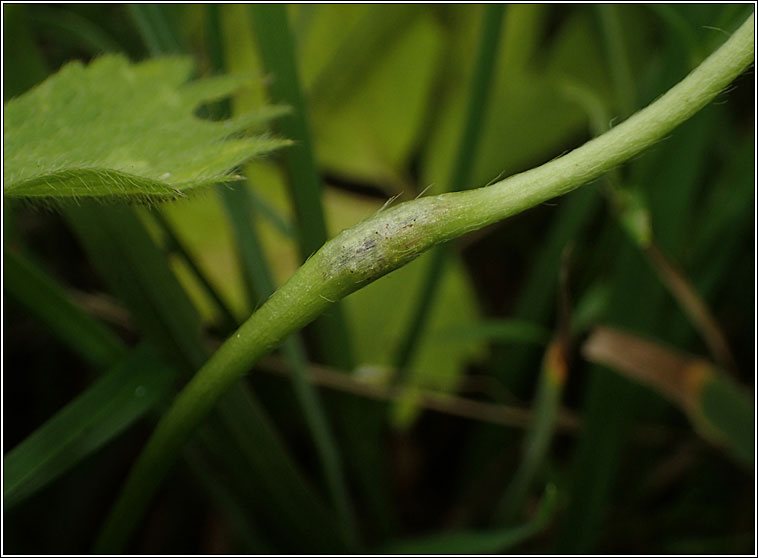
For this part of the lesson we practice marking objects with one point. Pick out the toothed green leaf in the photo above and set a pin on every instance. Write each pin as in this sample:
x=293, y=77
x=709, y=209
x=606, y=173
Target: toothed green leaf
x=121, y=130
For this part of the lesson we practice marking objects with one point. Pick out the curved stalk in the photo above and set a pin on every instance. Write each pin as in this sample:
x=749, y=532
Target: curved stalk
x=394, y=237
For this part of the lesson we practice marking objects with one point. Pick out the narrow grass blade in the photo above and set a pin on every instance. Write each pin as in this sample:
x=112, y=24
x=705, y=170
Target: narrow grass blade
x=238, y=203
x=83, y=31
x=609, y=410
x=501, y=331
x=174, y=244
x=681, y=27
x=720, y=410
x=546, y=405
x=123, y=252
x=137, y=271
x=482, y=542
x=31, y=287
x=276, y=46
x=618, y=59
x=538, y=438
x=161, y=308
x=252, y=262
x=250, y=535
x=90, y=421
x=357, y=54
x=511, y=362
x=22, y=63
x=281, y=494
x=157, y=29
x=480, y=86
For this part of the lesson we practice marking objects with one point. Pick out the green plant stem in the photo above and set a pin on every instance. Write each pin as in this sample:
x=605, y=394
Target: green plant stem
x=492, y=17
x=391, y=239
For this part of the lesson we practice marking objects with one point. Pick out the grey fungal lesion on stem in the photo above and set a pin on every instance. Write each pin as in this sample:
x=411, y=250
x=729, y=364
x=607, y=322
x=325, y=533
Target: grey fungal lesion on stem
x=387, y=240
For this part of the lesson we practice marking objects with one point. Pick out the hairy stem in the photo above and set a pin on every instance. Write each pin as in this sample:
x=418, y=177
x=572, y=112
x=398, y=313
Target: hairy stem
x=394, y=237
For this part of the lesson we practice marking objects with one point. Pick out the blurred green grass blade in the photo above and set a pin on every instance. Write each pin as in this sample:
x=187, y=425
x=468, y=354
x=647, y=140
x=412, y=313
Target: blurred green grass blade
x=124, y=253
x=23, y=66
x=610, y=403
x=409, y=342
x=276, y=46
x=479, y=89
x=356, y=55
x=39, y=294
x=290, y=501
x=672, y=180
x=175, y=244
x=538, y=437
x=590, y=308
x=618, y=59
x=87, y=423
x=122, y=250
x=729, y=413
x=238, y=203
x=537, y=296
x=157, y=28
x=479, y=94
x=482, y=542
x=263, y=208
x=499, y=331
x=252, y=261
x=323, y=437
x=235, y=198
x=249, y=534
x=680, y=27
x=83, y=31
x=722, y=214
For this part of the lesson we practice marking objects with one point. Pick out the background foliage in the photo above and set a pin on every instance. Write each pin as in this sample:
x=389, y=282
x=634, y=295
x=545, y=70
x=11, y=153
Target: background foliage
x=385, y=94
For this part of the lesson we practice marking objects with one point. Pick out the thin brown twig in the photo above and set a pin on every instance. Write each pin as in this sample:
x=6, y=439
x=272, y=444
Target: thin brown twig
x=494, y=413
x=504, y=415
x=693, y=304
